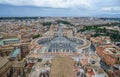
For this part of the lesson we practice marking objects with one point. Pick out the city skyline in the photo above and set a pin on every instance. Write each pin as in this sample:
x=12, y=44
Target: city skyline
x=99, y=8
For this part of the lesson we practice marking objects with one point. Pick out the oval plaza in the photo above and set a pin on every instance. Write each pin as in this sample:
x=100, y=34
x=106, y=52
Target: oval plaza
x=58, y=41
x=62, y=44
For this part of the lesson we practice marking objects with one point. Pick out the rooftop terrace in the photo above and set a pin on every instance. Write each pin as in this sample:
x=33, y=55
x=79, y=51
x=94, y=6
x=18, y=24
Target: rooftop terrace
x=62, y=67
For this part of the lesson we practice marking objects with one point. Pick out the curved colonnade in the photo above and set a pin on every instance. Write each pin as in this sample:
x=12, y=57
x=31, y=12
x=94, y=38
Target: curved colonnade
x=79, y=45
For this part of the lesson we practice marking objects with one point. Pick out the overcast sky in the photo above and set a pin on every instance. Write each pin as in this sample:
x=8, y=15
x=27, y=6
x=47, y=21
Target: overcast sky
x=60, y=8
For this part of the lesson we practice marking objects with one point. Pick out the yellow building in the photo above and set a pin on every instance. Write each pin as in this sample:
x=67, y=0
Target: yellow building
x=5, y=67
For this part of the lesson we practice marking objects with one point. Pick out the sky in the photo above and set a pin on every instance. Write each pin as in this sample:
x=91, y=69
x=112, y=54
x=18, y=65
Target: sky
x=103, y=8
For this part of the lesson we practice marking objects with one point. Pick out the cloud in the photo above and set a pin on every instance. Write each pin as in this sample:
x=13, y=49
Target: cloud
x=86, y=4
x=75, y=6
x=50, y=3
x=111, y=9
